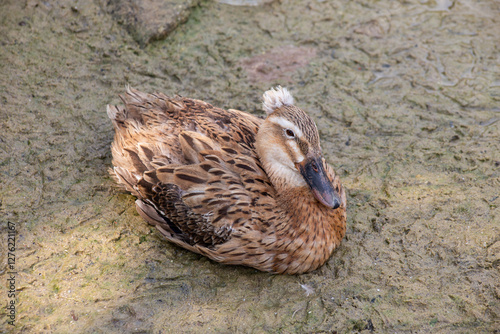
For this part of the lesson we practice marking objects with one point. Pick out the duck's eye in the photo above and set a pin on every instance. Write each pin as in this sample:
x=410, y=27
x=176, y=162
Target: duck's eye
x=289, y=133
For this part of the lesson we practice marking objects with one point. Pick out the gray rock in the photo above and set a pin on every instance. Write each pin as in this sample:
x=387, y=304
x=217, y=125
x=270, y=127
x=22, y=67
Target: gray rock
x=150, y=20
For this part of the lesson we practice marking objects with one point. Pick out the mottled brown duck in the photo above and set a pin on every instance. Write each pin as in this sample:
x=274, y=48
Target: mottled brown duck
x=229, y=185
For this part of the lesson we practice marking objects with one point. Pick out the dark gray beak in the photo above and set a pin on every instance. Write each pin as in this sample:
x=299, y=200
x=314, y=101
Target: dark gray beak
x=313, y=172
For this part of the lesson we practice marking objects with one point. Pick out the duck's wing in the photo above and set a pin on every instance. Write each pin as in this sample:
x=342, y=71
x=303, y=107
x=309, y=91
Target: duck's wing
x=192, y=166
x=209, y=201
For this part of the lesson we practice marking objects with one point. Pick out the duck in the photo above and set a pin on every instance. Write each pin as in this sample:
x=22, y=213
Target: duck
x=234, y=187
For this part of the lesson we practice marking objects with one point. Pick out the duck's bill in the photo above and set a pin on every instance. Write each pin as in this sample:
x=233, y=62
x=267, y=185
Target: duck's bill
x=313, y=172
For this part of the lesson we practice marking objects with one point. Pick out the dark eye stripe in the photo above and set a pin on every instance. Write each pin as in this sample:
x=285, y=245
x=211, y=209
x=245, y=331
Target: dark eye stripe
x=303, y=146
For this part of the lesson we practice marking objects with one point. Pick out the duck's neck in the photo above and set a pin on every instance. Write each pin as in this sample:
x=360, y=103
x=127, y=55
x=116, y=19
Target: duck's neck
x=306, y=230
x=302, y=209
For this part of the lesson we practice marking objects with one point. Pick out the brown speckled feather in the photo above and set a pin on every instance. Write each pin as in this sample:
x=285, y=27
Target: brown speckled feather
x=196, y=172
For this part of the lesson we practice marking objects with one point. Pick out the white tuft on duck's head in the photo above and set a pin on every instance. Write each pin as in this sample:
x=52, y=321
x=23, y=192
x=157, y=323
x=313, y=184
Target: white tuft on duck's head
x=276, y=98
x=287, y=144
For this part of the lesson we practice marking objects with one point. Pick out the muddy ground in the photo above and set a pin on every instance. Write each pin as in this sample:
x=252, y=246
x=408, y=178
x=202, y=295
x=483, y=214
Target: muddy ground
x=406, y=96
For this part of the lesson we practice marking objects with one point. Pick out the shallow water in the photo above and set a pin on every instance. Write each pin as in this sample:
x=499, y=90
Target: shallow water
x=406, y=98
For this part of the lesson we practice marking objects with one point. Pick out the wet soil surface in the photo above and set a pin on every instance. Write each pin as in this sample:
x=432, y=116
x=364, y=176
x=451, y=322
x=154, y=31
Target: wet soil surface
x=406, y=96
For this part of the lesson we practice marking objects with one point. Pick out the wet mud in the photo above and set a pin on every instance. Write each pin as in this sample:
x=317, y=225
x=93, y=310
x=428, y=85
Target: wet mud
x=406, y=96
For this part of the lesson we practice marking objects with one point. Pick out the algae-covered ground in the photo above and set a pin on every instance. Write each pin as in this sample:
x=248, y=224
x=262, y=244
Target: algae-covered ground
x=406, y=95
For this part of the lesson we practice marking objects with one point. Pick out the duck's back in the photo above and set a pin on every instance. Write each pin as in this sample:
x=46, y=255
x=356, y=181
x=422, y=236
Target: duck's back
x=150, y=125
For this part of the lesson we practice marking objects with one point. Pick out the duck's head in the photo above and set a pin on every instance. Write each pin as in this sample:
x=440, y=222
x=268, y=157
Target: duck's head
x=289, y=149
